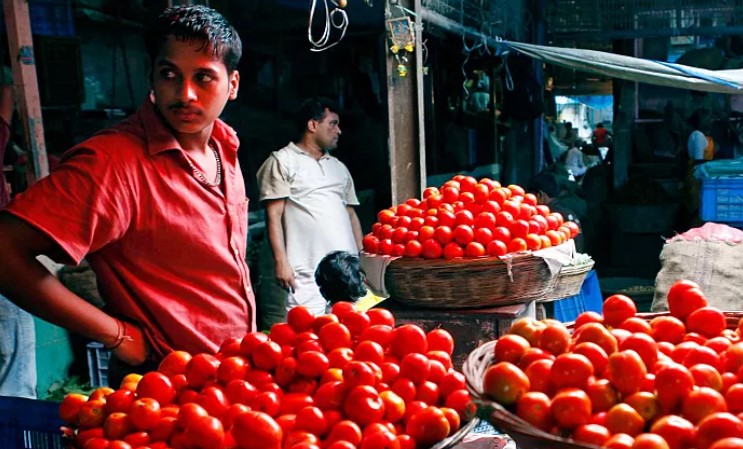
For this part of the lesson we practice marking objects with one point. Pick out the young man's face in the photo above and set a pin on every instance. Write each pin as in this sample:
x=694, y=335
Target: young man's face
x=191, y=86
x=327, y=131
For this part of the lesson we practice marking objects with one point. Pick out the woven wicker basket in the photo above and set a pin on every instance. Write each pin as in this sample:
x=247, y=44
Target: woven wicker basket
x=468, y=283
x=569, y=281
x=526, y=435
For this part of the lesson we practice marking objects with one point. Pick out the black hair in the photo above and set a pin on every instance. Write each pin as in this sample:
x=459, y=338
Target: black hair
x=313, y=109
x=339, y=277
x=196, y=23
x=546, y=183
x=600, y=125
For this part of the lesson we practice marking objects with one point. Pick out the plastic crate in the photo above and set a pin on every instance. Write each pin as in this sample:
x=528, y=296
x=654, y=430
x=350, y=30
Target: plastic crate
x=722, y=200
x=98, y=364
x=29, y=424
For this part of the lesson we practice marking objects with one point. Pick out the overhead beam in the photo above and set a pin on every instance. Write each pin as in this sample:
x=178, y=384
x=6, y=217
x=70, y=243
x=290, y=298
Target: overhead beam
x=25, y=82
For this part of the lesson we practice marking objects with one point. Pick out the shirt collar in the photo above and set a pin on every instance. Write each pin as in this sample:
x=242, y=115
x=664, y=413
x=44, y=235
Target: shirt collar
x=159, y=138
x=294, y=147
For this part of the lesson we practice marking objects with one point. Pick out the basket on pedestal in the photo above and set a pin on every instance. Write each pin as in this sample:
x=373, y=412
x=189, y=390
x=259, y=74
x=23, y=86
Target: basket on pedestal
x=468, y=283
x=526, y=435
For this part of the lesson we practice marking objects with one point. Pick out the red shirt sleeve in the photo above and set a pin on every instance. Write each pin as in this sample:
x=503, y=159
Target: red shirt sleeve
x=83, y=205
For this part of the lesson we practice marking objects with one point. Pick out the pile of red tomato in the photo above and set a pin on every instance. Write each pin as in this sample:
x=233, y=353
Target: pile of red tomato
x=345, y=380
x=622, y=382
x=468, y=218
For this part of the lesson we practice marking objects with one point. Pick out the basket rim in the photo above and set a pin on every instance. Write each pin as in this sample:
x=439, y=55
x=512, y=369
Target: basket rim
x=480, y=359
x=459, y=261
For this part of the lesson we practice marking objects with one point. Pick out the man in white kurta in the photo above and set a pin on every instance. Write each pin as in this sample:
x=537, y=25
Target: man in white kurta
x=309, y=197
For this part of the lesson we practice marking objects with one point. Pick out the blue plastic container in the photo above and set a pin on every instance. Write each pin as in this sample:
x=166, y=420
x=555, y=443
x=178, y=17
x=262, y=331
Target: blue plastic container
x=98, y=364
x=589, y=299
x=722, y=200
x=29, y=424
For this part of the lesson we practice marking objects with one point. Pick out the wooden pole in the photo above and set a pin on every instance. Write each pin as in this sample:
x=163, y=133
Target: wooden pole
x=26, y=84
x=420, y=94
x=405, y=161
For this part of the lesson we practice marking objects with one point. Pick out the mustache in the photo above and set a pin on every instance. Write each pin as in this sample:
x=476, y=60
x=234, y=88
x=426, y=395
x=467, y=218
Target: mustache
x=183, y=107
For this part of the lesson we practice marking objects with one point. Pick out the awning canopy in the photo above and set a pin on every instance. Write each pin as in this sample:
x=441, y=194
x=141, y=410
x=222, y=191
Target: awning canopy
x=634, y=69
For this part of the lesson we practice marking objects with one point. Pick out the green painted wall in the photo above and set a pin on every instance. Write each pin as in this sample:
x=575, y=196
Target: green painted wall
x=53, y=355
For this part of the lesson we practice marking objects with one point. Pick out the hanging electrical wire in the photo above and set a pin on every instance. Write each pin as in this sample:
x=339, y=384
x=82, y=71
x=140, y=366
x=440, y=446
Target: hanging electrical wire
x=335, y=19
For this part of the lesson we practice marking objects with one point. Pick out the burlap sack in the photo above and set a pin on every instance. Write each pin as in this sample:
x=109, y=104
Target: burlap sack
x=716, y=265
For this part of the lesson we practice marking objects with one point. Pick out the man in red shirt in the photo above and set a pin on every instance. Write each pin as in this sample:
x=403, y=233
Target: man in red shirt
x=156, y=204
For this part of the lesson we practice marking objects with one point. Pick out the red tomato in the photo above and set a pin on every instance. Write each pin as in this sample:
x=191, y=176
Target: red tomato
x=678, y=432
x=330, y=395
x=595, y=354
x=431, y=249
x=311, y=419
x=644, y=346
x=703, y=402
x=200, y=369
x=144, y=413
x=92, y=414
x=358, y=373
x=334, y=335
x=707, y=321
x=571, y=408
x=603, y=395
x=571, y=370
x=428, y=426
x=673, y=382
x=240, y=391
x=267, y=402
x=369, y=351
x=534, y=408
x=450, y=194
x=505, y=383
x=555, y=338
x=626, y=371
x=69, y=409
x=214, y=400
x=405, y=388
x=474, y=249
x=250, y=341
x=370, y=243
x=157, y=386
x=339, y=357
x=728, y=443
x=394, y=406
x=266, y=356
x=406, y=339
x=96, y=443
x=117, y=426
x=345, y=430
x=496, y=248
x=118, y=444
x=232, y=368
x=413, y=248
x=622, y=418
x=205, y=432
x=618, y=308
x=716, y=427
x=517, y=245
x=538, y=373
x=363, y=405
x=256, y=430
x=591, y=434
x=520, y=229
x=379, y=316
x=685, y=297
